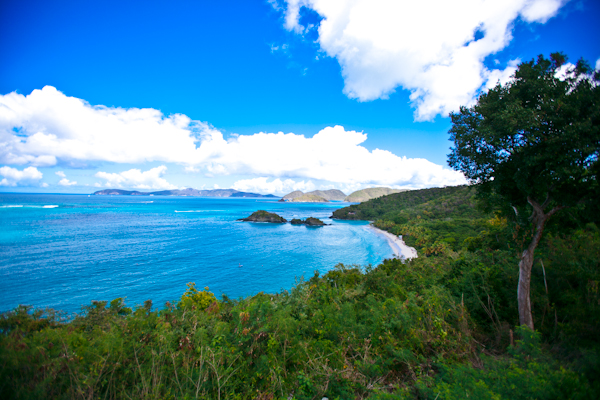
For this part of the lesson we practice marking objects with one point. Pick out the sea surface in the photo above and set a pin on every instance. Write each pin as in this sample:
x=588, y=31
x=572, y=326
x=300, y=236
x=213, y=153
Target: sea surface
x=63, y=251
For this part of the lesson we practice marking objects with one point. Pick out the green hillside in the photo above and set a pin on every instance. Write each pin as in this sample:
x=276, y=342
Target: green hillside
x=369, y=193
x=428, y=219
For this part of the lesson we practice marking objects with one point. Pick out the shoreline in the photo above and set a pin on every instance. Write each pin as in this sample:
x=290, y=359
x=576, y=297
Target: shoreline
x=400, y=249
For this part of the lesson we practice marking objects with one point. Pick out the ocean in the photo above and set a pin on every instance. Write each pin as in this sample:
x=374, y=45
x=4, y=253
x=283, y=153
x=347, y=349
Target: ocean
x=63, y=251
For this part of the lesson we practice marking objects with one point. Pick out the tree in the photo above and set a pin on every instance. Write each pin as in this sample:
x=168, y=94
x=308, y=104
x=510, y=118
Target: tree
x=533, y=144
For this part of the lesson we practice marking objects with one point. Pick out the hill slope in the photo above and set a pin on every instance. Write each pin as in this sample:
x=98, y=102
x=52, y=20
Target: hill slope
x=370, y=193
x=331, y=194
x=429, y=219
x=310, y=198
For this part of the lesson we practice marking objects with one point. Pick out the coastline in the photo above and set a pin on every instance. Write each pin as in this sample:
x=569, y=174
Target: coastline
x=397, y=244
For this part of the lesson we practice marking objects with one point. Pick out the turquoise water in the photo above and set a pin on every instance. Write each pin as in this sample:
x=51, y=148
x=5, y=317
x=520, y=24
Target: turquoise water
x=63, y=251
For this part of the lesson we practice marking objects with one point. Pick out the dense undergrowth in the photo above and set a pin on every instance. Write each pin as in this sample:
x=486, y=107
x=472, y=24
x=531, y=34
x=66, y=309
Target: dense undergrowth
x=442, y=326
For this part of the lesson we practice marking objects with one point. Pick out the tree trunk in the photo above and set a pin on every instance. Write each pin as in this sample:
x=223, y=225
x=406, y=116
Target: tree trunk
x=526, y=262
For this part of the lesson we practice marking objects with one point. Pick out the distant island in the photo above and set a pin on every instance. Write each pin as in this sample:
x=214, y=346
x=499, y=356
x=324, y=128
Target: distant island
x=309, y=198
x=316, y=196
x=323, y=196
x=184, y=192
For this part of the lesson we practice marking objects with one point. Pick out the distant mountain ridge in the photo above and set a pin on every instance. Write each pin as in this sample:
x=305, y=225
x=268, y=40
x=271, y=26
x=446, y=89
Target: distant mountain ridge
x=337, y=195
x=184, y=192
x=331, y=194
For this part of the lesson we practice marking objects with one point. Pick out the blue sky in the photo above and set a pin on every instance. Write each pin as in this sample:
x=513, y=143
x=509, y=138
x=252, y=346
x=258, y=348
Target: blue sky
x=153, y=95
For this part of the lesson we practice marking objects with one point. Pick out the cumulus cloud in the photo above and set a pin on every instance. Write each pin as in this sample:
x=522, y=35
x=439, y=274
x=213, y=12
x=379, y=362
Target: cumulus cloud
x=14, y=177
x=433, y=48
x=136, y=179
x=47, y=124
x=64, y=181
x=333, y=155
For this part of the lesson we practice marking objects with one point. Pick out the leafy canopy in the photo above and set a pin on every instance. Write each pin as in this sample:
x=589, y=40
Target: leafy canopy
x=536, y=137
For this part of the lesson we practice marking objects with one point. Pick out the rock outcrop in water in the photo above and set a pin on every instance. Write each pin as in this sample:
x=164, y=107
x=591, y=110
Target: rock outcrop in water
x=264, y=216
x=310, y=221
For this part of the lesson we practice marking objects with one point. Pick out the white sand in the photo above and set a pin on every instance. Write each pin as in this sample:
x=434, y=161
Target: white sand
x=397, y=244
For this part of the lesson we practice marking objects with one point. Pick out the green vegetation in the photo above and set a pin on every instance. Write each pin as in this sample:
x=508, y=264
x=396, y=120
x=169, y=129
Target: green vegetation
x=370, y=193
x=439, y=326
x=532, y=148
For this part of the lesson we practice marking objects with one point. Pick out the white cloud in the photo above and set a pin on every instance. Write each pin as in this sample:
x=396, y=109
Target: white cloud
x=427, y=47
x=333, y=155
x=47, y=125
x=276, y=186
x=67, y=129
x=136, y=179
x=64, y=181
x=14, y=177
x=598, y=65
x=191, y=168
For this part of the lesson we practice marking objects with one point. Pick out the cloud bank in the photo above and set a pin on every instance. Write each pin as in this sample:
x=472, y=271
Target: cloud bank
x=136, y=179
x=49, y=128
x=433, y=48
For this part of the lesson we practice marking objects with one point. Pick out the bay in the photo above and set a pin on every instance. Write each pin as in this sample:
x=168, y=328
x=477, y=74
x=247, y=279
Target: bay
x=63, y=251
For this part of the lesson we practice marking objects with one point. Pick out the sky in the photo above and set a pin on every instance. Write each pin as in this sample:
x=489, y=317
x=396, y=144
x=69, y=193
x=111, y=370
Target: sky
x=262, y=96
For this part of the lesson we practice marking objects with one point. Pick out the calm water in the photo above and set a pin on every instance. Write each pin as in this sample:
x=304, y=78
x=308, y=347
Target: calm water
x=63, y=251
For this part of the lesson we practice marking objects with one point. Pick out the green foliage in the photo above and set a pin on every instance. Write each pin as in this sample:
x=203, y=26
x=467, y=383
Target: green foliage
x=411, y=329
x=376, y=208
x=532, y=147
x=195, y=299
x=536, y=137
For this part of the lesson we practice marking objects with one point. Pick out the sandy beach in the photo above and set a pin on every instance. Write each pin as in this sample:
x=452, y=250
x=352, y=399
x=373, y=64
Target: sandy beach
x=397, y=244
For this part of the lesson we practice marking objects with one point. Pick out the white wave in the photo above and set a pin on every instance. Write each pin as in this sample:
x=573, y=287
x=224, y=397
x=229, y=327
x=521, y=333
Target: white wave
x=22, y=206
